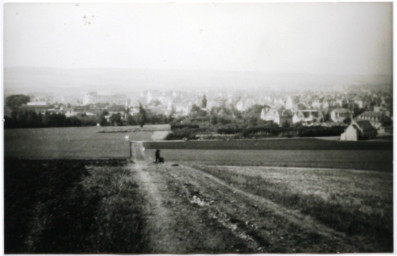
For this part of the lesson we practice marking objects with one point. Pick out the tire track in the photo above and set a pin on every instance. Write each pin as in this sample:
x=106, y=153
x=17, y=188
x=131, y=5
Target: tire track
x=293, y=216
x=219, y=216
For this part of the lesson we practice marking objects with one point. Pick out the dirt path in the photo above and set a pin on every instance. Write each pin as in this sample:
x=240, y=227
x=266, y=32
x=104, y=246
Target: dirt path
x=190, y=211
x=173, y=224
x=159, y=221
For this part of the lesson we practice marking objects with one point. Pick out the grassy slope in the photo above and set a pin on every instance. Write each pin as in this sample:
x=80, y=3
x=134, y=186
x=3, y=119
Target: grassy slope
x=69, y=206
x=357, y=203
x=70, y=143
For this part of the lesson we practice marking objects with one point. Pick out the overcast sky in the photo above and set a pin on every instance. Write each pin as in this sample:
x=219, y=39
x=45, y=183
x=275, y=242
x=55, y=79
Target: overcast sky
x=315, y=38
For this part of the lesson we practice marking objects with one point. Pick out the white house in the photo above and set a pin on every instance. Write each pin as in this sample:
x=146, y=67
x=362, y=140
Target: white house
x=289, y=104
x=307, y=116
x=316, y=104
x=351, y=133
x=324, y=105
x=359, y=103
x=90, y=98
x=240, y=105
x=296, y=118
x=359, y=130
x=70, y=113
x=340, y=114
x=270, y=114
x=36, y=103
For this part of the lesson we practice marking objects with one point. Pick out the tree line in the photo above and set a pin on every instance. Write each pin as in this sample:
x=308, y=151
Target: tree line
x=31, y=119
x=21, y=117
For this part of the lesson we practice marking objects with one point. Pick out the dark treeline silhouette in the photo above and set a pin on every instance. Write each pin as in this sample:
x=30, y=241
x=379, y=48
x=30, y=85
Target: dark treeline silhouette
x=20, y=116
x=17, y=100
x=191, y=131
x=31, y=119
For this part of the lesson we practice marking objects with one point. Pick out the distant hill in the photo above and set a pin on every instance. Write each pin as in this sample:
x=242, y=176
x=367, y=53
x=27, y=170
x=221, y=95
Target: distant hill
x=78, y=81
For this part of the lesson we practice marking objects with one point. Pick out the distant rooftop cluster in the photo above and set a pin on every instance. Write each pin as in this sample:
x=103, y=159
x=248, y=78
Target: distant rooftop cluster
x=304, y=107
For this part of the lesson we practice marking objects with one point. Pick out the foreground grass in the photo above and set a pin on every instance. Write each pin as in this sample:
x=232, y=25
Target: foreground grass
x=69, y=206
x=119, y=217
x=358, y=203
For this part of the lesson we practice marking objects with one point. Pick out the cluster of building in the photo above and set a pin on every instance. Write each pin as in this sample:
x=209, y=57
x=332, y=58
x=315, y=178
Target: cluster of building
x=366, y=114
x=365, y=111
x=306, y=108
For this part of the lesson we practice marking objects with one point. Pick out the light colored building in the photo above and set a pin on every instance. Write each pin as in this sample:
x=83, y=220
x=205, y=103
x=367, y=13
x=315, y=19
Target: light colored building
x=36, y=103
x=240, y=105
x=307, y=116
x=90, y=98
x=358, y=130
x=316, y=104
x=340, y=114
x=70, y=113
x=359, y=103
x=296, y=118
x=338, y=102
x=289, y=104
x=182, y=109
x=375, y=118
x=149, y=97
x=39, y=107
x=325, y=105
x=270, y=114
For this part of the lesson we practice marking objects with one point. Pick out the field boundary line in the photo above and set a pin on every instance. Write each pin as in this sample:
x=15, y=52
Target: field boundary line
x=304, y=168
x=293, y=216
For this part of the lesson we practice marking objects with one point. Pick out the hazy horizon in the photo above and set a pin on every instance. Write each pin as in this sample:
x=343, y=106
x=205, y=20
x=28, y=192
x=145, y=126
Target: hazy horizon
x=56, y=80
x=194, y=46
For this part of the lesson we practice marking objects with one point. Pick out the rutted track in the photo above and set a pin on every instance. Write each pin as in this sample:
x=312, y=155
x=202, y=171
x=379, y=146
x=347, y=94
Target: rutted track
x=295, y=217
x=190, y=211
x=174, y=226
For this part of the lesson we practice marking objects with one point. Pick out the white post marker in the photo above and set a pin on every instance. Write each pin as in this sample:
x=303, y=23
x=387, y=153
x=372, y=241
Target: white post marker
x=127, y=138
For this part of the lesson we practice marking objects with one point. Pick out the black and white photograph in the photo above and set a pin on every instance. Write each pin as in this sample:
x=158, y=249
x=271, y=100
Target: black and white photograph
x=197, y=127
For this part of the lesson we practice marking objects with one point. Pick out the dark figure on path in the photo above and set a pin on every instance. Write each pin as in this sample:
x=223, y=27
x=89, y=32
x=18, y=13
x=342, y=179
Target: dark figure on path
x=157, y=155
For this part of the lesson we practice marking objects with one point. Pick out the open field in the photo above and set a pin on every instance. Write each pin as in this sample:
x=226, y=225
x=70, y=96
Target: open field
x=274, y=144
x=357, y=203
x=76, y=143
x=78, y=206
x=87, y=198
x=380, y=160
x=109, y=142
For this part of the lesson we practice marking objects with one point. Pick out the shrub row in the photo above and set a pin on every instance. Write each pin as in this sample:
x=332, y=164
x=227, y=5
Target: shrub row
x=183, y=126
x=284, y=131
x=320, y=131
x=185, y=132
